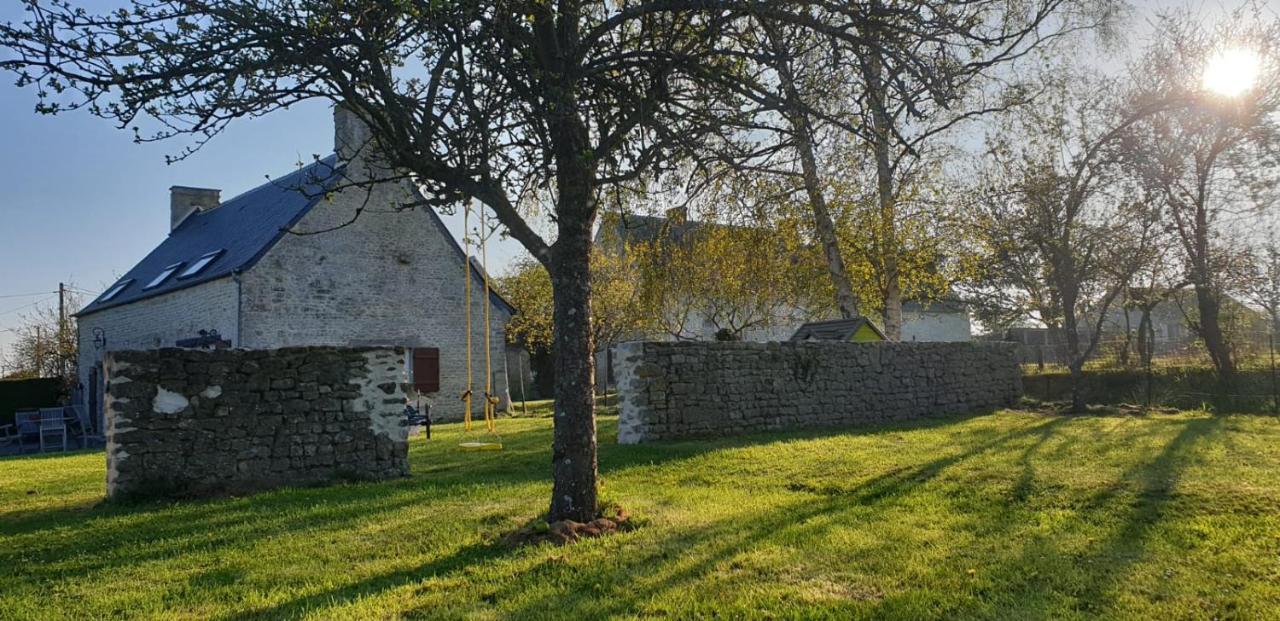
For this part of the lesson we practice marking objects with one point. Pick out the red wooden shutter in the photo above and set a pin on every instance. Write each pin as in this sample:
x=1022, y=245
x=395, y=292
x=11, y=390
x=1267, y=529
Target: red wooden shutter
x=426, y=369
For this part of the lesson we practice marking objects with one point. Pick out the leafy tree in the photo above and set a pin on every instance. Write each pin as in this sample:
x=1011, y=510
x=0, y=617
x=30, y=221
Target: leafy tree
x=722, y=278
x=930, y=252
x=1158, y=279
x=528, y=287
x=1264, y=287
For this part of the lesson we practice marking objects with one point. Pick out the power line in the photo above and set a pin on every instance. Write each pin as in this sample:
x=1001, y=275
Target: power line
x=18, y=308
x=25, y=295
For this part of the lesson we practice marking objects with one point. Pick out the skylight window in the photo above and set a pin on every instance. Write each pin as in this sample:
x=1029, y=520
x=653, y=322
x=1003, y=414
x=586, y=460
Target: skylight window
x=198, y=265
x=115, y=290
x=163, y=276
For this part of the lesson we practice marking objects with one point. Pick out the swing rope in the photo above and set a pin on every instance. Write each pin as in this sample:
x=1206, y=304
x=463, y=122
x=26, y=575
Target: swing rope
x=490, y=400
x=466, y=276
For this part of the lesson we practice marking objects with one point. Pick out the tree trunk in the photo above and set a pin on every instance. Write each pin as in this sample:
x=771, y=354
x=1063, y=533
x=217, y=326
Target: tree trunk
x=573, y=456
x=573, y=448
x=542, y=367
x=887, y=238
x=1128, y=338
x=1075, y=357
x=1211, y=331
x=1077, y=386
x=1146, y=337
x=802, y=131
x=824, y=225
x=1207, y=300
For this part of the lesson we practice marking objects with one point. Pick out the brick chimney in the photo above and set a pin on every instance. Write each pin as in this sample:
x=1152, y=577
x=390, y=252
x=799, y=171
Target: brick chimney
x=351, y=135
x=184, y=200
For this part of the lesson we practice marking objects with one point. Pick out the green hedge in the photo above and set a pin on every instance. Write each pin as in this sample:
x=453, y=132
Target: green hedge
x=28, y=393
x=1181, y=387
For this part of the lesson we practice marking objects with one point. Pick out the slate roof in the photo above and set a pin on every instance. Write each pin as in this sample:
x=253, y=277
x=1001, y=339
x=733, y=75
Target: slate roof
x=634, y=228
x=244, y=228
x=832, y=330
x=944, y=307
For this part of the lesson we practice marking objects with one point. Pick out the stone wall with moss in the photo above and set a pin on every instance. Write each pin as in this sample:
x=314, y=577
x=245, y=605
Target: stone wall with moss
x=705, y=389
x=186, y=422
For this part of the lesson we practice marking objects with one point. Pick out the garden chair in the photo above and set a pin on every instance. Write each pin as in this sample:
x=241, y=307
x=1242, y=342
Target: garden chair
x=8, y=434
x=53, y=427
x=87, y=433
x=26, y=423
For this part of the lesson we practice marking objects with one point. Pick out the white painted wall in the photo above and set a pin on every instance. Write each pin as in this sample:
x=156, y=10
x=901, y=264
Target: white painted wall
x=935, y=327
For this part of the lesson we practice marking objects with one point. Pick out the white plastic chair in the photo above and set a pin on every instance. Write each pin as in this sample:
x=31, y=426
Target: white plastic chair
x=53, y=426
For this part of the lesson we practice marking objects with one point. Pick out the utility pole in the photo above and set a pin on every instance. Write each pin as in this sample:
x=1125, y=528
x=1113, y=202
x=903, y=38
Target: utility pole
x=39, y=354
x=62, y=331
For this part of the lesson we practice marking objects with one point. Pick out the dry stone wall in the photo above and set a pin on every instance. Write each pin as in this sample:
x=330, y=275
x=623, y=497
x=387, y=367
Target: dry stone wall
x=184, y=422
x=698, y=389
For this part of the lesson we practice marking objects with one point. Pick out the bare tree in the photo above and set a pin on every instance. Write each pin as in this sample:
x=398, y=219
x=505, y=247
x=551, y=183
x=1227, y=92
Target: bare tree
x=1064, y=223
x=1158, y=279
x=921, y=69
x=45, y=343
x=1201, y=157
x=1264, y=287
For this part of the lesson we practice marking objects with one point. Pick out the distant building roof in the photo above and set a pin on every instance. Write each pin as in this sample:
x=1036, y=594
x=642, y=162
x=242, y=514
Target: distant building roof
x=833, y=330
x=946, y=307
x=230, y=238
x=632, y=228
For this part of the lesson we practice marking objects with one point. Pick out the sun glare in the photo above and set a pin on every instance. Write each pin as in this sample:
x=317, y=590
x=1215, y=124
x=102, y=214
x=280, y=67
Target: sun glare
x=1231, y=72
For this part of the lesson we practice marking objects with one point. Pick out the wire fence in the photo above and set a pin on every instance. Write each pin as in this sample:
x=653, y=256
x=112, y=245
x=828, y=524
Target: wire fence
x=1161, y=373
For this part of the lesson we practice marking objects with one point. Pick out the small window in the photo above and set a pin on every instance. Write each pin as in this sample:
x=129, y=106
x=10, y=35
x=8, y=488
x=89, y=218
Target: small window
x=198, y=265
x=163, y=276
x=115, y=290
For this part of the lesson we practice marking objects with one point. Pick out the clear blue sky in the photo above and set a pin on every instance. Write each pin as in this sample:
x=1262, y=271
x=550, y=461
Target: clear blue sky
x=80, y=203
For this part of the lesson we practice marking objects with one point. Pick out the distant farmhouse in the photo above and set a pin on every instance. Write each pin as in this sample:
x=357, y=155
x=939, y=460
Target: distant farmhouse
x=285, y=265
x=924, y=322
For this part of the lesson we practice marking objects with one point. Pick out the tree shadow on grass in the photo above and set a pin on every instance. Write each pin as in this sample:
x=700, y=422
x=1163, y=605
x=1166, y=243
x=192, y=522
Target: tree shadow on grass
x=1153, y=486
x=114, y=536
x=1142, y=495
x=650, y=573
x=650, y=570
x=647, y=576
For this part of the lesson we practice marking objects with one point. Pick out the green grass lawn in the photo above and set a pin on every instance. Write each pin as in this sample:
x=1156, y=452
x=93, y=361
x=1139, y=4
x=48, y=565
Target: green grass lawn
x=1011, y=515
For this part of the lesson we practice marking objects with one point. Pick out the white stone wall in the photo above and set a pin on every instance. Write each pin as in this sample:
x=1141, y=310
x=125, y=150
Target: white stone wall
x=390, y=278
x=935, y=327
x=159, y=322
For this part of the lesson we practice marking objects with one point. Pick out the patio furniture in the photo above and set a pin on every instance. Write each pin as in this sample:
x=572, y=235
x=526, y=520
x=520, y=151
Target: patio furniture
x=53, y=427
x=27, y=424
x=8, y=434
x=87, y=433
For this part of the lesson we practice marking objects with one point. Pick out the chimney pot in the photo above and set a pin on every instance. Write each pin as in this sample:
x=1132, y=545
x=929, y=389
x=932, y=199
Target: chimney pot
x=183, y=201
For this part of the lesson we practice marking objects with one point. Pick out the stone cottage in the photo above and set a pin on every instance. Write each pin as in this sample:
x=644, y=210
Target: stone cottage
x=313, y=258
